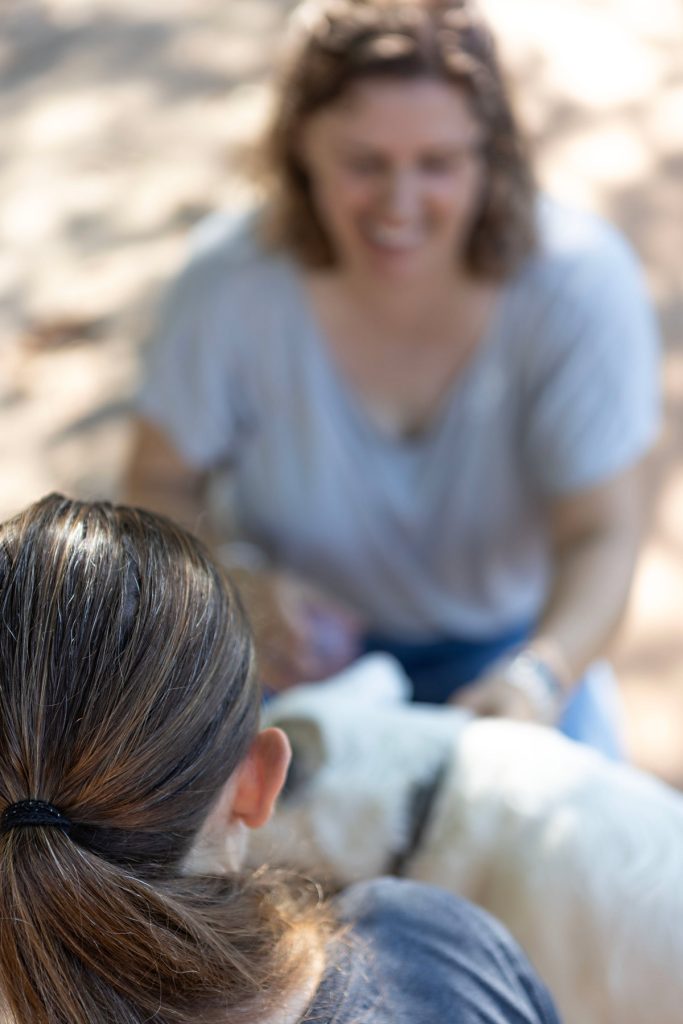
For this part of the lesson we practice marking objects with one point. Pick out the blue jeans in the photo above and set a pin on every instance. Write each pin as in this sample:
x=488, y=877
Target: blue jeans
x=438, y=668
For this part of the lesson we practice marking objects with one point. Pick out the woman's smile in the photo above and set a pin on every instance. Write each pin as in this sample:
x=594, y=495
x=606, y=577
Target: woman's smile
x=395, y=174
x=394, y=238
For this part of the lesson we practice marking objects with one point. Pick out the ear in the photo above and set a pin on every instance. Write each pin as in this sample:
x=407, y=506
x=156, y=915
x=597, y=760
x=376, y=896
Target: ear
x=259, y=779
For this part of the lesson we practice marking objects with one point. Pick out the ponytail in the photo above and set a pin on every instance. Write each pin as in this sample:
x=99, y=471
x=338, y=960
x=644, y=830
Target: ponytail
x=85, y=941
x=127, y=699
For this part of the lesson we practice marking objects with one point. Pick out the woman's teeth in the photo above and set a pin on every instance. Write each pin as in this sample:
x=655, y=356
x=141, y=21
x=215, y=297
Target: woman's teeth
x=393, y=238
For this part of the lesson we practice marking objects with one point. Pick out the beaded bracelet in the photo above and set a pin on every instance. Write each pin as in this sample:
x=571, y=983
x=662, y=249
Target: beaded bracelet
x=532, y=676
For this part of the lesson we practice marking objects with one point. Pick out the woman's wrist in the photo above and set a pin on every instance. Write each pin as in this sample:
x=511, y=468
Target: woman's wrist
x=535, y=677
x=549, y=651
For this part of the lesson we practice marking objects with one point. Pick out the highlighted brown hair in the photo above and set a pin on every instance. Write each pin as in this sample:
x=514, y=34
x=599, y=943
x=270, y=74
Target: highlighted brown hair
x=335, y=43
x=128, y=698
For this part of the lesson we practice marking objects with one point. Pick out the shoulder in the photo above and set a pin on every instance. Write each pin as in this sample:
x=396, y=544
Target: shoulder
x=577, y=252
x=398, y=905
x=228, y=248
x=581, y=294
x=567, y=231
x=227, y=236
x=437, y=956
x=400, y=899
x=586, y=330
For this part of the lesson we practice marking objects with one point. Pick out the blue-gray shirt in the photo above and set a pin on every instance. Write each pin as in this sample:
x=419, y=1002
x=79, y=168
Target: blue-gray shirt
x=418, y=955
x=437, y=536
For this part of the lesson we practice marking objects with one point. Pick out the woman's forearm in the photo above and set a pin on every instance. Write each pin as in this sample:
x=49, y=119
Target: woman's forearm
x=596, y=537
x=156, y=478
x=592, y=580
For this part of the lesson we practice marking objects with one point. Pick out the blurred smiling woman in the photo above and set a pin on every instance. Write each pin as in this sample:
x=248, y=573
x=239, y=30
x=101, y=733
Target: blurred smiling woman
x=131, y=767
x=431, y=390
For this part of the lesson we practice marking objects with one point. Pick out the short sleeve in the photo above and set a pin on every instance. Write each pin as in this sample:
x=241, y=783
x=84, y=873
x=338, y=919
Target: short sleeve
x=591, y=390
x=191, y=387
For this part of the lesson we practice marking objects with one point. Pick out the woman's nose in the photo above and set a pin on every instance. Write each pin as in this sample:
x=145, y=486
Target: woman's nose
x=401, y=199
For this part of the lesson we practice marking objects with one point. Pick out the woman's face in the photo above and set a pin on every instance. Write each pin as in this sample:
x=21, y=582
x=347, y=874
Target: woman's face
x=396, y=175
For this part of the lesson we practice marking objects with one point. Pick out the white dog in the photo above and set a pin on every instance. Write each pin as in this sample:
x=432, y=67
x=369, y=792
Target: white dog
x=580, y=858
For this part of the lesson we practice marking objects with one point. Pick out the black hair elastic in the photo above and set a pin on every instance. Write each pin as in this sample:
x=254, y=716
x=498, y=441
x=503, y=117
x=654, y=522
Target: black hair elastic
x=27, y=813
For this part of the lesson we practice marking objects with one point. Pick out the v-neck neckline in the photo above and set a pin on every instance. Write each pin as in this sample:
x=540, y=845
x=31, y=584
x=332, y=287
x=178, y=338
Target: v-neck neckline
x=357, y=409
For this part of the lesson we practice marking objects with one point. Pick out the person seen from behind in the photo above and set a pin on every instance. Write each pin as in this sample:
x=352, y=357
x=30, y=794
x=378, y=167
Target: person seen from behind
x=132, y=768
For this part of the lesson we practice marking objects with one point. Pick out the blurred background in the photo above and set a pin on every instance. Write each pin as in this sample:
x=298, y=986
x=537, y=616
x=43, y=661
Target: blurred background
x=122, y=123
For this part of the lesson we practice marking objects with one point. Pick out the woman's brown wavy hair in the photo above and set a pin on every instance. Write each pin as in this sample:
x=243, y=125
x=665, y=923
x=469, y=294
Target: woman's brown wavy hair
x=335, y=43
x=128, y=698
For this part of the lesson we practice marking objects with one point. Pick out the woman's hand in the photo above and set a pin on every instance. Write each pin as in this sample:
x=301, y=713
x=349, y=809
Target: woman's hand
x=301, y=633
x=494, y=696
x=523, y=686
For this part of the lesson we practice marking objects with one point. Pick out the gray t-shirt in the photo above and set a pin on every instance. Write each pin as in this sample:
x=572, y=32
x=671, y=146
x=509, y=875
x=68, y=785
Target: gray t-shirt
x=418, y=955
x=441, y=535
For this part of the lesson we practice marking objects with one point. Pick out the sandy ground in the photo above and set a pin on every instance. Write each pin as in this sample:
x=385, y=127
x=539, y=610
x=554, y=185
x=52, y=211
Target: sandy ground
x=120, y=124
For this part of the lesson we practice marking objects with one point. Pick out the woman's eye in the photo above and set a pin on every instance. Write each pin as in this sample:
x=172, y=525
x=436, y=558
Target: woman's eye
x=441, y=164
x=364, y=165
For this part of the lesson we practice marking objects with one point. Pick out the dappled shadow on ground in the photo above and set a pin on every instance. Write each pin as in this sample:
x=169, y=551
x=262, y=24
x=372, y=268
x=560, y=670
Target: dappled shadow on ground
x=121, y=121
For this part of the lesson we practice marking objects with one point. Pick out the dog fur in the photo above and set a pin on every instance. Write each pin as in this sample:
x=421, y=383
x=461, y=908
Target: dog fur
x=580, y=858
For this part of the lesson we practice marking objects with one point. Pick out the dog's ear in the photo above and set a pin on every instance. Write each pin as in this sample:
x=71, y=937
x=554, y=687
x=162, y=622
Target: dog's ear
x=308, y=753
x=376, y=678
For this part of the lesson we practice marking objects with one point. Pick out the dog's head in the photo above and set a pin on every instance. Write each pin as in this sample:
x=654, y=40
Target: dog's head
x=361, y=758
